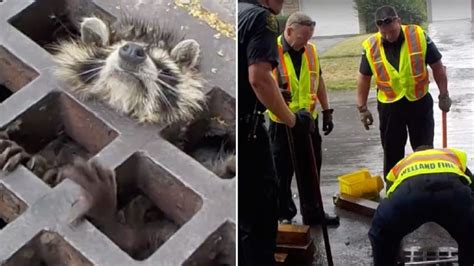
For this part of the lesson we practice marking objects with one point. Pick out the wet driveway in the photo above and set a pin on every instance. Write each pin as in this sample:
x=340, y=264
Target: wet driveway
x=350, y=147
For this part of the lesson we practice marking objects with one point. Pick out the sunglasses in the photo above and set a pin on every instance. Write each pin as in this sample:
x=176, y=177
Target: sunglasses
x=385, y=21
x=306, y=23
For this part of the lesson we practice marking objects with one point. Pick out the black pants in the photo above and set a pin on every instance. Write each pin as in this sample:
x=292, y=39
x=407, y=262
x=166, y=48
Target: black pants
x=398, y=117
x=440, y=198
x=284, y=167
x=258, y=202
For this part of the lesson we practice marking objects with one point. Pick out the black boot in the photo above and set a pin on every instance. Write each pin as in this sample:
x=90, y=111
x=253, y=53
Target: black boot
x=330, y=220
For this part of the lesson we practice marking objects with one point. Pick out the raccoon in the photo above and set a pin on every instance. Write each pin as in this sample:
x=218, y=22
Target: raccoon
x=144, y=70
x=138, y=68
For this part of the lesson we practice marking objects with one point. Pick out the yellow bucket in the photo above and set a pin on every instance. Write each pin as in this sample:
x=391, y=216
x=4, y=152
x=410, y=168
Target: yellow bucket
x=360, y=184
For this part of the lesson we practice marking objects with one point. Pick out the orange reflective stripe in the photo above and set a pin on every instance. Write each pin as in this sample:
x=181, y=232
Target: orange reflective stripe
x=314, y=99
x=382, y=74
x=418, y=67
x=409, y=39
x=311, y=58
x=387, y=90
x=282, y=66
x=417, y=49
x=416, y=60
x=420, y=85
x=414, y=48
x=447, y=156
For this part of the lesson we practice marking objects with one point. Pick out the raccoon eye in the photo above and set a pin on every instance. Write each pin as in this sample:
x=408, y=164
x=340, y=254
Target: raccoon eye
x=168, y=76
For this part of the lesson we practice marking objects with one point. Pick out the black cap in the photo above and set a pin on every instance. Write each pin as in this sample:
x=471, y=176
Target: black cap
x=385, y=12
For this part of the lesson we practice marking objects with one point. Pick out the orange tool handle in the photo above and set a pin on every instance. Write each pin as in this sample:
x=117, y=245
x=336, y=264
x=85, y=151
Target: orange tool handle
x=445, y=129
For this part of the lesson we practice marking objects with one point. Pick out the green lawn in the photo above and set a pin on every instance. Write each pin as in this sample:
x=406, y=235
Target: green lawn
x=340, y=63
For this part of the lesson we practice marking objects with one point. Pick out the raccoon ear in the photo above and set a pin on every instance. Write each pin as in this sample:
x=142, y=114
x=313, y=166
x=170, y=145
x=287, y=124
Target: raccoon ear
x=186, y=53
x=94, y=31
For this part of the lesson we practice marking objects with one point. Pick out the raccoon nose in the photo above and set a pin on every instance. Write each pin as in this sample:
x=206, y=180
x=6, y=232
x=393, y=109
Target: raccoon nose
x=132, y=53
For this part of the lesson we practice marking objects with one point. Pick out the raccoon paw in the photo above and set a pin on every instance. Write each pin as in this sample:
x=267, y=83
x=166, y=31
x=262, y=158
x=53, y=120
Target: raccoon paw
x=52, y=177
x=134, y=213
x=37, y=164
x=100, y=187
x=11, y=154
x=230, y=167
x=4, y=135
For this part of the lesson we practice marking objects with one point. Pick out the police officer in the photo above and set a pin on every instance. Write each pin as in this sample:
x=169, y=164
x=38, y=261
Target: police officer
x=257, y=187
x=397, y=56
x=430, y=185
x=299, y=77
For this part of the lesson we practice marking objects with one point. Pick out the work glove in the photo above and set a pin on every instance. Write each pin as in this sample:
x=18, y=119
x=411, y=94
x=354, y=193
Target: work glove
x=365, y=116
x=304, y=122
x=444, y=102
x=328, y=125
x=286, y=95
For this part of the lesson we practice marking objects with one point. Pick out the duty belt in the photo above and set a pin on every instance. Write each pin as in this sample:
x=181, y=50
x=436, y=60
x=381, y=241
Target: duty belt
x=252, y=121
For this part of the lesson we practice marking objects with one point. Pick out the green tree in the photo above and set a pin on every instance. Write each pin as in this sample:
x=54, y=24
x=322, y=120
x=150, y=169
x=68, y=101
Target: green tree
x=410, y=11
x=281, y=22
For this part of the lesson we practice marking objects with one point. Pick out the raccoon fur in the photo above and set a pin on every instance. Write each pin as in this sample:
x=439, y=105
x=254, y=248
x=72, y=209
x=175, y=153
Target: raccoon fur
x=138, y=68
x=144, y=70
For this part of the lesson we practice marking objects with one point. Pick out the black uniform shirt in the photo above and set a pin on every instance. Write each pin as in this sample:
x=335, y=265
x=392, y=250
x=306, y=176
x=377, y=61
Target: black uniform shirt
x=296, y=56
x=392, y=52
x=257, y=33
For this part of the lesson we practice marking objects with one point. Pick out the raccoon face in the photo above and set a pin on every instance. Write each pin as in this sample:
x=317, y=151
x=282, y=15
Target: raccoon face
x=135, y=69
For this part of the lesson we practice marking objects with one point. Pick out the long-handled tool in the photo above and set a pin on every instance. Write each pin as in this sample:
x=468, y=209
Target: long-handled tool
x=319, y=198
x=445, y=129
x=444, y=123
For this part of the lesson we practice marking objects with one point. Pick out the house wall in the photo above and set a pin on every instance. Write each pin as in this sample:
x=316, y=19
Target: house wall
x=333, y=17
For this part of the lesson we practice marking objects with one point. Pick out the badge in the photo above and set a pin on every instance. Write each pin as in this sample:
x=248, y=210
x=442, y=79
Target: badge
x=272, y=23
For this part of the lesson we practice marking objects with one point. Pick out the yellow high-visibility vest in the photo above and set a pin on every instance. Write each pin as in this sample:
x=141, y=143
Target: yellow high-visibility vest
x=431, y=161
x=303, y=90
x=411, y=79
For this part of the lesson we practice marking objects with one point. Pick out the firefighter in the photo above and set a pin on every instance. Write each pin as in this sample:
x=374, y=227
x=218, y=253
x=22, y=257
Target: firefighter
x=397, y=56
x=430, y=185
x=257, y=183
x=299, y=78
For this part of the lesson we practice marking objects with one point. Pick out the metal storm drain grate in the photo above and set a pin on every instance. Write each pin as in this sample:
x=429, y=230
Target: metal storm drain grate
x=47, y=248
x=441, y=256
x=14, y=74
x=10, y=206
x=189, y=210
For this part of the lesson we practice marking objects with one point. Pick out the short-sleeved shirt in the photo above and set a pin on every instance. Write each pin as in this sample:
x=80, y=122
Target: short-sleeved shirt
x=392, y=51
x=257, y=33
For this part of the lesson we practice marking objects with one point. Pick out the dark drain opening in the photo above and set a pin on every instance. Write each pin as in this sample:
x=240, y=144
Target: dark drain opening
x=210, y=139
x=217, y=250
x=58, y=128
x=2, y=223
x=152, y=202
x=48, y=21
x=14, y=74
x=10, y=206
x=4, y=93
x=47, y=249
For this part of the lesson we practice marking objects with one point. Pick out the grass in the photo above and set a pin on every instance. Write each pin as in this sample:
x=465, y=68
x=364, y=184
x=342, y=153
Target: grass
x=340, y=63
x=340, y=73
